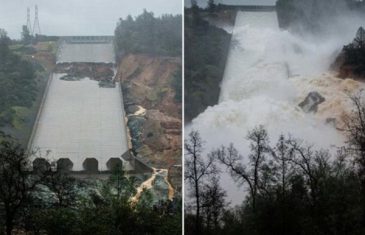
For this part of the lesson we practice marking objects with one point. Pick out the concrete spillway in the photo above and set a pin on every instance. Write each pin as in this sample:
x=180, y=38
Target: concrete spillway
x=79, y=119
x=86, y=49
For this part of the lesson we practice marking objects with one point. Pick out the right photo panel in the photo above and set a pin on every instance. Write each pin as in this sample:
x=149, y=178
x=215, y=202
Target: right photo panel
x=274, y=114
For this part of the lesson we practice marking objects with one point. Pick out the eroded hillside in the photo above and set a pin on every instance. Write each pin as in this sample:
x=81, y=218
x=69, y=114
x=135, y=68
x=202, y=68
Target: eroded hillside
x=153, y=111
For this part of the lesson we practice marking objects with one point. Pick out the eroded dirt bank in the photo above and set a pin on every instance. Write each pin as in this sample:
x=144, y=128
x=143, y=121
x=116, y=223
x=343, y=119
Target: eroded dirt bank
x=152, y=109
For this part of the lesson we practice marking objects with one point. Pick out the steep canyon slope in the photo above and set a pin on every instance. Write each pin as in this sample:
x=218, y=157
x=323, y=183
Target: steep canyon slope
x=153, y=111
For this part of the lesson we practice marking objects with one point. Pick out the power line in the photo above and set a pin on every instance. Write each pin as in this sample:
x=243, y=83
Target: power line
x=28, y=20
x=36, y=27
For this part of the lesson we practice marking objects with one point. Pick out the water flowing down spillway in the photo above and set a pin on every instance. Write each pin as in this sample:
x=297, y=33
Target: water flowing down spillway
x=268, y=73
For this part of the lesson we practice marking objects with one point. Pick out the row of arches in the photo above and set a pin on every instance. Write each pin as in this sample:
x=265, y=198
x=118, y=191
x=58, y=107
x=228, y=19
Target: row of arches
x=89, y=164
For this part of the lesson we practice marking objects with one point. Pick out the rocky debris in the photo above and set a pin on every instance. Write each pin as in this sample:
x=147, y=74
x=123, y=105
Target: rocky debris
x=147, y=81
x=156, y=125
x=95, y=71
x=331, y=121
x=175, y=176
x=311, y=102
x=160, y=188
x=70, y=78
x=106, y=84
x=135, y=124
x=132, y=109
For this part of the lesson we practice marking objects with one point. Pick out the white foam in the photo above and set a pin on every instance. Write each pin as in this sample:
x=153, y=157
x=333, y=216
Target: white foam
x=263, y=85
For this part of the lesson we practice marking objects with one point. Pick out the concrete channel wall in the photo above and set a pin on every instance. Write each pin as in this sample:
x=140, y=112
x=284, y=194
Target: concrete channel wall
x=62, y=109
x=36, y=122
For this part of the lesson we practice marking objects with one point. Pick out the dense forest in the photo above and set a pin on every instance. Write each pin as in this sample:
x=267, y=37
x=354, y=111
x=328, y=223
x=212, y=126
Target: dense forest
x=44, y=201
x=18, y=87
x=206, y=49
x=314, y=15
x=291, y=187
x=149, y=34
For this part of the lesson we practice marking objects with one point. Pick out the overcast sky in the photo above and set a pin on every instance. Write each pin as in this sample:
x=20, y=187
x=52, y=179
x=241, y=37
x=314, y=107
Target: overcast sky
x=203, y=3
x=78, y=17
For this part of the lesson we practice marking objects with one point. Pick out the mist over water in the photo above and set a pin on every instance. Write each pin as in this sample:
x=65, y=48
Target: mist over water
x=204, y=3
x=268, y=73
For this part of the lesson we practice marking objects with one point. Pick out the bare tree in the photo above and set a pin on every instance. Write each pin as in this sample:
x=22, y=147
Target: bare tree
x=355, y=129
x=213, y=203
x=314, y=165
x=281, y=154
x=197, y=168
x=233, y=161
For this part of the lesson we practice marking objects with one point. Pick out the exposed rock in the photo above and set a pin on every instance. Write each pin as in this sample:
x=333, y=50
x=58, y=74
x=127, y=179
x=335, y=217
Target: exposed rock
x=331, y=121
x=156, y=131
x=135, y=125
x=160, y=187
x=98, y=72
x=146, y=81
x=132, y=109
x=175, y=176
x=311, y=102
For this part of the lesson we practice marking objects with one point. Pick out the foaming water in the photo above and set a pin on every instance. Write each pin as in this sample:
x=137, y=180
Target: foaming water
x=268, y=73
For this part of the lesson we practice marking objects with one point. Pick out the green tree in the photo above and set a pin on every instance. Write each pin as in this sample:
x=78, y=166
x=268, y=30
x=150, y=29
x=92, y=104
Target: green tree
x=211, y=6
x=26, y=37
x=16, y=181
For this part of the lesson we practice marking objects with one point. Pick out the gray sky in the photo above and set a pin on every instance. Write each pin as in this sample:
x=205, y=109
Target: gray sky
x=78, y=17
x=203, y=3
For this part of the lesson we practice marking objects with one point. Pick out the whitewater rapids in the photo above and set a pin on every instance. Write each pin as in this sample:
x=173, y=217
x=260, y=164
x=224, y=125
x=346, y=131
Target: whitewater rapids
x=268, y=73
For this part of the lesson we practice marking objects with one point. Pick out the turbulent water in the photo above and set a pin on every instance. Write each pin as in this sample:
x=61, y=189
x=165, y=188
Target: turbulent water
x=268, y=73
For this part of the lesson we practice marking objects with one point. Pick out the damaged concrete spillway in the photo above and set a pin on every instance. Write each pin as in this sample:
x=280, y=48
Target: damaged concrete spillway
x=81, y=120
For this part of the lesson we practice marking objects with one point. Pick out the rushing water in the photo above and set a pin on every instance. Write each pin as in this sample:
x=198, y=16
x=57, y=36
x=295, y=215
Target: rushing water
x=149, y=183
x=268, y=73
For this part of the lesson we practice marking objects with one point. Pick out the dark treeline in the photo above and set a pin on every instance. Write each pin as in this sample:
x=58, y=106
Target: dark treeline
x=311, y=15
x=149, y=34
x=292, y=187
x=44, y=201
x=354, y=54
x=206, y=49
x=17, y=82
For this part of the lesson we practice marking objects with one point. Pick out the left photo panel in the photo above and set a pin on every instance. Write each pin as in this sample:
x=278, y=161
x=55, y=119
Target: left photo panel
x=90, y=117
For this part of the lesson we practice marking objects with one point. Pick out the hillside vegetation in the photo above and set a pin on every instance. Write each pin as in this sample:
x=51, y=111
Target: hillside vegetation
x=149, y=34
x=313, y=15
x=206, y=49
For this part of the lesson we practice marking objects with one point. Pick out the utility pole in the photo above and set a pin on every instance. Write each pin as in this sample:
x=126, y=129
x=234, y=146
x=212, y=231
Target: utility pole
x=28, y=20
x=36, y=27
